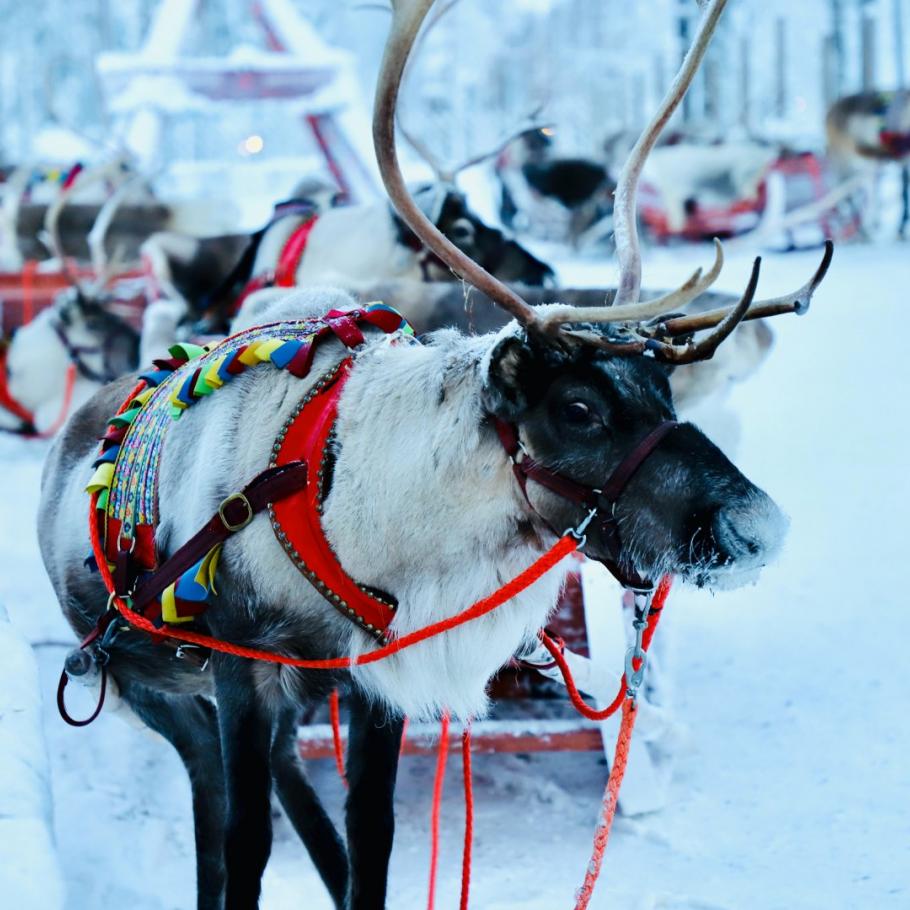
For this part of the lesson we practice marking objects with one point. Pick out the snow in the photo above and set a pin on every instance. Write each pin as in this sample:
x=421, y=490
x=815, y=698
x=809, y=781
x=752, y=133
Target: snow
x=793, y=789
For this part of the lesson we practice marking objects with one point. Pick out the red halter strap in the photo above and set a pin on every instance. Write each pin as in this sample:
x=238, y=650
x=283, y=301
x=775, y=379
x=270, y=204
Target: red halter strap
x=599, y=502
x=292, y=253
x=8, y=402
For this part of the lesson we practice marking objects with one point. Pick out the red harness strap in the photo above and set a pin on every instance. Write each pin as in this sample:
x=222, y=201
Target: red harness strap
x=297, y=520
x=285, y=273
x=292, y=253
x=7, y=402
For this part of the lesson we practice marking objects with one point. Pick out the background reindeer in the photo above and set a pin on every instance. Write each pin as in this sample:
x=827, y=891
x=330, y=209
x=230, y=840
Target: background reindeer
x=868, y=130
x=446, y=523
x=82, y=333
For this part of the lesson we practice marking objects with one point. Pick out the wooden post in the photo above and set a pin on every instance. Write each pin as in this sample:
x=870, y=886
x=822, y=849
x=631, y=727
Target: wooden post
x=780, y=59
x=709, y=71
x=639, y=101
x=684, y=45
x=838, y=62
x=660, y=79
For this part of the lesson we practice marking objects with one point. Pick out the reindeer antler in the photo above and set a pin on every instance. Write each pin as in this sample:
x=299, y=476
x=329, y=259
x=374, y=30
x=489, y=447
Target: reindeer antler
x=52, y=215
x=407, y=17
x=625, y=306
x=103, y=268
x=642, y=330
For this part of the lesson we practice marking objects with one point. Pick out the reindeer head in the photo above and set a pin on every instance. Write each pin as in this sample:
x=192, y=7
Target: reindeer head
x=581, y=398
x=82, y=327
x=580, y=411
x=447, y=208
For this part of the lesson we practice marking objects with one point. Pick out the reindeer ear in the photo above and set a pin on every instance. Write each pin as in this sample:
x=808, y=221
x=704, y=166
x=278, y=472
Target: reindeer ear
x=508, y=373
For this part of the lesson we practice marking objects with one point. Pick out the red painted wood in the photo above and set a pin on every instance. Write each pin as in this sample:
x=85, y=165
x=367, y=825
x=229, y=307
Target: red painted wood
x=317, y=742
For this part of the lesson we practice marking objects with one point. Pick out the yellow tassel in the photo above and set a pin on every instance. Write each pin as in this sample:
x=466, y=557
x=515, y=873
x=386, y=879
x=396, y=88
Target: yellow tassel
x=249, y=355
x=142, y=397
x=169, y=607
x=265, y=348
x=211, y=374
x=206, y=574
x=101, y=479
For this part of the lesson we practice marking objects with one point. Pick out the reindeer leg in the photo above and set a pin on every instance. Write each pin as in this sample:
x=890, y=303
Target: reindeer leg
x=905, y=196
x=305, y=811
x=372, y=765
x=190, y=724
x=246, y=729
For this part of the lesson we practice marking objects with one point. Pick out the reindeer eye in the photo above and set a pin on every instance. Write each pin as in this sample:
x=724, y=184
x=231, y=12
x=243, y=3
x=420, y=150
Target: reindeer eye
x=577, y=413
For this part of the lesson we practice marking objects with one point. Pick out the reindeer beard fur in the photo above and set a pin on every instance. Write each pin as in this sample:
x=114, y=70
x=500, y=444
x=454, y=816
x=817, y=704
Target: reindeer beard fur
x=422, y=505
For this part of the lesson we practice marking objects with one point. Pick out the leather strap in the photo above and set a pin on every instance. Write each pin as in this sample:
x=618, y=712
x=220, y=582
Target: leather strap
x=601, y=500
x=234, y=514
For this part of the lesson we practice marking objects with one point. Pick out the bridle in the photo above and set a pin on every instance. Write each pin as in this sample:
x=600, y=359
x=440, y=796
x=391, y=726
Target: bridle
x=78, y=352
x=598, y=502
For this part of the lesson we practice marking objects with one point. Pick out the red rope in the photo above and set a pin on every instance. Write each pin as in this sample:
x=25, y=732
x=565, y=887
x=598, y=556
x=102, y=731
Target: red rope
x=468, y=817
x=611, y=798
x=657, y=604
x=521, y=582
x=335, y=717
x=441, y=757
x=623, y=741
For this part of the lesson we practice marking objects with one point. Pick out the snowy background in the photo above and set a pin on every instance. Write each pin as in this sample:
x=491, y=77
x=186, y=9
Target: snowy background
x=791, y=788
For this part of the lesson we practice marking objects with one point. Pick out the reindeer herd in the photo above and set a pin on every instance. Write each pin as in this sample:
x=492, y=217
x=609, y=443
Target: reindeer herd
x=447, y=463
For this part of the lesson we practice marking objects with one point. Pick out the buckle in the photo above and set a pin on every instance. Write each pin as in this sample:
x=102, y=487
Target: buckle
x=234, y=526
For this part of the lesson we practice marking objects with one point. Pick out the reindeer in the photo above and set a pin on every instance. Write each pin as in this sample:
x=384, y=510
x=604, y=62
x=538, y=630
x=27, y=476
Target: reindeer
x=425, y=499
x=580, y=187
x=313, y=241
x=868, y=130
x=81, y=334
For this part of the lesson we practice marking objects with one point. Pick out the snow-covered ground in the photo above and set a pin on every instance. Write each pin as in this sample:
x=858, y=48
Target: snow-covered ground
x=794, y=791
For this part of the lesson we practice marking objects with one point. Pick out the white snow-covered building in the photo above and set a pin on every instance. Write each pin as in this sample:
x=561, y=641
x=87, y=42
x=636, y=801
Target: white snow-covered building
x=245, y=126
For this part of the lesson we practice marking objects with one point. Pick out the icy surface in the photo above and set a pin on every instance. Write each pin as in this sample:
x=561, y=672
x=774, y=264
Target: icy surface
x=794, y=793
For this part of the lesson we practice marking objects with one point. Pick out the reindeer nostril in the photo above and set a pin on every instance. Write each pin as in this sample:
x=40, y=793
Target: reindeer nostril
x=749, y=531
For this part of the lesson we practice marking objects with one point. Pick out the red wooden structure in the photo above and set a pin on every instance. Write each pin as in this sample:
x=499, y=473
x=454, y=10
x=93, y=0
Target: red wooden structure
x=25, y=294
x=807, y=179
x=531, y=713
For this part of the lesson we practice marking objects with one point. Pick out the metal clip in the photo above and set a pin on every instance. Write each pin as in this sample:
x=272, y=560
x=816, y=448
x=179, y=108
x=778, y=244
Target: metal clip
x=579, y=532
x=634, y=678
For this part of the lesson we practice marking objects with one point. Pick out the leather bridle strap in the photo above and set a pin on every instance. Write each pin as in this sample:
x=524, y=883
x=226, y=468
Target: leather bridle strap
x=599, y=501
x=76, y=352
x=234, y=514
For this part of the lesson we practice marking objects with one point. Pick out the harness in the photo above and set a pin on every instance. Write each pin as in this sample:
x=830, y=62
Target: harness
x=26, y=419
x=78, y=352
x=291, y=488
x=285, y=272
x=158, y=597
x=599, y=502
x=8, y=402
